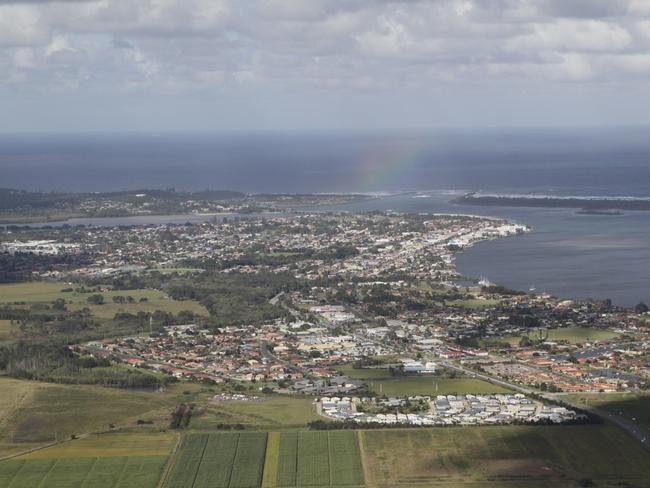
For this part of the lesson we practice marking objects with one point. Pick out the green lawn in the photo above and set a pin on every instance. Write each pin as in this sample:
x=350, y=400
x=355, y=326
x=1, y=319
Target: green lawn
x=505, y=456
x=46, y=292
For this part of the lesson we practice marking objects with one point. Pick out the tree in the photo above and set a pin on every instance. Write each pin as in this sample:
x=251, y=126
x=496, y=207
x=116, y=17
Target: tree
x=59, y=304
x=525, y=341
x=641, y=308
x=96, y=299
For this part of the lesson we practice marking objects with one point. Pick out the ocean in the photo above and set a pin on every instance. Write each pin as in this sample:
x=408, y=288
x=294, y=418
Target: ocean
x=567, y=254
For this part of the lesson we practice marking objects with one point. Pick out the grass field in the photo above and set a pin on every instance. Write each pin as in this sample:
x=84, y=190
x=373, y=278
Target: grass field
x=633, y=406
x=273, y=413
x=473, y=303
x=505, y=456
x=381, y=382
x=45, y=292
x=105, y=461
x=223, y=460
x=35, y=412
x=5, y=328
x=573, y=335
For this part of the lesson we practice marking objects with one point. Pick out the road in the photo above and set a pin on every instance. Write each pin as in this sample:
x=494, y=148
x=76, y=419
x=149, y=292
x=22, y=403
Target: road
x=636, y=431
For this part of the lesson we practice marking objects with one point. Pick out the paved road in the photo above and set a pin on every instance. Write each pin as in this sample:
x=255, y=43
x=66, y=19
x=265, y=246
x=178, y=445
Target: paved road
x=636, y=431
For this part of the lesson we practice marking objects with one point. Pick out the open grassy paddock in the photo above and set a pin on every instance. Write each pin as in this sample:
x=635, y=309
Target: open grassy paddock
x=104, y=461
x=632, y=406
x=505, y=456
x=34, y=413
x=46, y=292
x=276, y=412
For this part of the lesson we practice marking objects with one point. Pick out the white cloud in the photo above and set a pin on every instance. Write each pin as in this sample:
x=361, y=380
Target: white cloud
x=573, y=35
x=307, y=48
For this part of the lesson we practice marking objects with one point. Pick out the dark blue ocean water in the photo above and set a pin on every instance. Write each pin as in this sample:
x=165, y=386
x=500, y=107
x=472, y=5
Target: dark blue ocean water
x=567, y=254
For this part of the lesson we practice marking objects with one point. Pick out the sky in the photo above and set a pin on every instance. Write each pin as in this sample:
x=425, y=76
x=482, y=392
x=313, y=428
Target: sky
x=204, y=65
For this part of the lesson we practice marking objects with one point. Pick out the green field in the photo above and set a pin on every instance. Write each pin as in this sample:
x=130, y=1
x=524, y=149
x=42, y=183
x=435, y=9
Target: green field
x=573, y=335
x=279, y=460
x=472, y=303
x=34, y=413
x=505, y=456
x=117, y=461
x=272, y=413
x=223, y=460
x=632, y=406
x=46, y=292
x=381, y=382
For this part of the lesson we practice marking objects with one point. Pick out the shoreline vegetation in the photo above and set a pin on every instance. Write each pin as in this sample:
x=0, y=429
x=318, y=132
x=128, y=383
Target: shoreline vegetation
x=587, y=205
x=25, y=207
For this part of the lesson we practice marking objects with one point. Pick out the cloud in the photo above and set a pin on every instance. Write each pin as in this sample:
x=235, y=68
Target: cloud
x=272, y=49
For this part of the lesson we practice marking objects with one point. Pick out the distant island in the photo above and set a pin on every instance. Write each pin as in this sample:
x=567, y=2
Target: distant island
x=588, y=205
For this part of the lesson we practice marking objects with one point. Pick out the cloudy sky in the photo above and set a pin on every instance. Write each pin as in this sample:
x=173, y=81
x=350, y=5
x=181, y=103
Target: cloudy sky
x=95, y=65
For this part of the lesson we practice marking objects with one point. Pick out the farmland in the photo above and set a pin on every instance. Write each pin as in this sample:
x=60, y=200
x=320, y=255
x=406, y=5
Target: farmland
x=229, y=460
x=276, y=460
x=45, y=293
x=512, y=456
x=117, y=461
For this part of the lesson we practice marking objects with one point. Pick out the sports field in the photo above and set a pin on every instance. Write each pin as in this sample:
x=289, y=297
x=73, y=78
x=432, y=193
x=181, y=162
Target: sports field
x=276, y=460
x=505, y=456
x=104, y=461
x=46, y=292
x=381, y=382
x=573, y=335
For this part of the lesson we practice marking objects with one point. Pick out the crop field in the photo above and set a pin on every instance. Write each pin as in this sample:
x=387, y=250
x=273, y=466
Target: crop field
x=40, y=292
x=505, y=456
x=223, y=460
x=316, y=459
x=105, y=461
x=277, y=460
